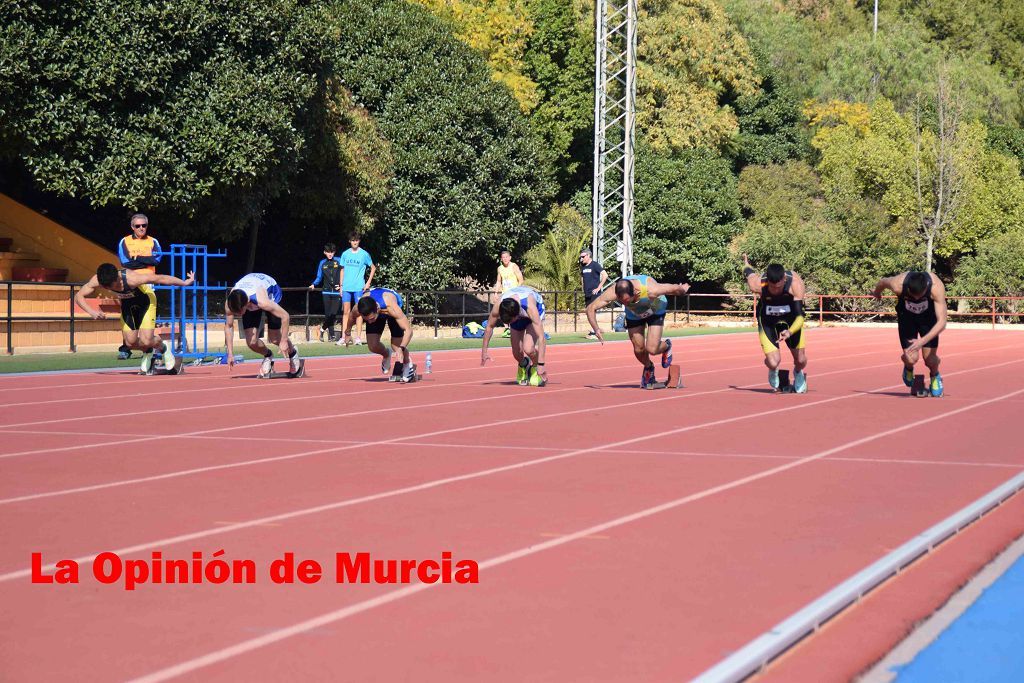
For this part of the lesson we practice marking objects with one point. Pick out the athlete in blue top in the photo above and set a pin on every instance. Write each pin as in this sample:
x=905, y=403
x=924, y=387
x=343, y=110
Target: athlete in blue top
x=355, y=262
x=251, y=297
x=379, y=307
x=522, y=309
x=329, y=271
x=645, y=300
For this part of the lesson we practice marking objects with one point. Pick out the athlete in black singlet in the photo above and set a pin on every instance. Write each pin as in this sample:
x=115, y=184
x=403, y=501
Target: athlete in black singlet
x=138, y=307
x=920, y=317
x=780, y=318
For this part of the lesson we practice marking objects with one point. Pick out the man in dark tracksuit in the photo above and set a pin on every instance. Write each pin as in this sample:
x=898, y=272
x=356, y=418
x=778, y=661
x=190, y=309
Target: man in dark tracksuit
x=328, y=276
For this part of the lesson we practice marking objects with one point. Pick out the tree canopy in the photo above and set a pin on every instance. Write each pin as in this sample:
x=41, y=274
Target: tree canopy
x=447, y=130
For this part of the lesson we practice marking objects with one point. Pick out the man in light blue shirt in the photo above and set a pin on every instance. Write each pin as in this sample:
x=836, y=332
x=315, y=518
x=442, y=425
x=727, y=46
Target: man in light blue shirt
x=354, y=261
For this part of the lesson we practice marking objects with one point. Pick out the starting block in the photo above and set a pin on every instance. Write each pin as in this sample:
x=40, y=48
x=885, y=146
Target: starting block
x=301, y=372
x=178, y=369
x=785, y=387
x=673, y=381
x=920, y=389
x=398, y=375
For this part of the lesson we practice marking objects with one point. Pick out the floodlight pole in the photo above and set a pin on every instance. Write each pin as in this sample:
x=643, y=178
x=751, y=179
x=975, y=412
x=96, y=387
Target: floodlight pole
x=614, y=130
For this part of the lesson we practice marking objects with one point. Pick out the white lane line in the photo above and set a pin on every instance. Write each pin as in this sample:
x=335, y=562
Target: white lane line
x=332, y=416
x=522, y=465
x=392, y=596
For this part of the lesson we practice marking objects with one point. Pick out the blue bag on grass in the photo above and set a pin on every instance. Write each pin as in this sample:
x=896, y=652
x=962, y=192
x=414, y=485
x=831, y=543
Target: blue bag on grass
x=473, y=330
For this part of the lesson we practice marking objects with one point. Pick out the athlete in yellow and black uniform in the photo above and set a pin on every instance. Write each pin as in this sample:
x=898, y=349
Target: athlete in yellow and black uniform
x=138, y=307
x=780, y=317
x=139, y=251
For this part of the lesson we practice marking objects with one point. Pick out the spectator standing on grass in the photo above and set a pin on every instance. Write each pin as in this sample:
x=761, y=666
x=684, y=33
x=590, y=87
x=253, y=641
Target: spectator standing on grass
x=355, y=261
x=509, y=275
x=594, y=277
x=138, y=251
x=328, y=278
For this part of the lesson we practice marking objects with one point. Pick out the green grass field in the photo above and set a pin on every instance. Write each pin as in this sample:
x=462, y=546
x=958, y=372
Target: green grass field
x=92, y=360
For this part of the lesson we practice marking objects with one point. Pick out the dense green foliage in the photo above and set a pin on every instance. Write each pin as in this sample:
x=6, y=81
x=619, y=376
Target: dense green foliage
x=560, y=60
x=687, y=213
x=185, y=107
x=469, y=176
x=554, y=263
x=450, y=129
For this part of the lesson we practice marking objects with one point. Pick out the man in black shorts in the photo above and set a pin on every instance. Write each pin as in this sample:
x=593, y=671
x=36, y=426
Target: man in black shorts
x=594, y=277
x=780, y=318
x=646, y=301
x=381, y=307
x=254, y=296
x=138, y=307
x=920, y=318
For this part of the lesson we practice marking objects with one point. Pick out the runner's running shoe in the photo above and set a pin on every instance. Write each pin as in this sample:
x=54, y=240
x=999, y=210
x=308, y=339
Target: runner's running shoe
x=523, y=373
x=800, y=382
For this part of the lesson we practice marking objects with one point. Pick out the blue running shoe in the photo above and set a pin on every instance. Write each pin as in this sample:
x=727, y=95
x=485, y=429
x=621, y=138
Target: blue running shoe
x=773, y=379
x=800, y=382
x=936, y=386
x=647, y=378
x=908, y=376
x=666, y=358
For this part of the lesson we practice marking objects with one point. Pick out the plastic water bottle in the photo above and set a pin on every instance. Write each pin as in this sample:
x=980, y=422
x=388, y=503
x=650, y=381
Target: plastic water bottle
x=426, y=367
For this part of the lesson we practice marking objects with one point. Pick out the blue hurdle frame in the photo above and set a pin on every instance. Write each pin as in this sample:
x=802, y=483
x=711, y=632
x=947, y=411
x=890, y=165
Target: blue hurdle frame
x=185, y=303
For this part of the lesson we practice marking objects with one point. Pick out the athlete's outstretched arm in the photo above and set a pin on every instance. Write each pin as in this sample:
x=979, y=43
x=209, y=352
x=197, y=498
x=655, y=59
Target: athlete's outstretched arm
x=492, y=320
x=538, y=329
x=229, y=334
x=275, y=309
x=148, y=278
x=799, y=291
x=890, y=283
x=655, y=288
x=396, y=312
x=607, y=297
x=752, y=277
x=939, y=300
x=87, y=289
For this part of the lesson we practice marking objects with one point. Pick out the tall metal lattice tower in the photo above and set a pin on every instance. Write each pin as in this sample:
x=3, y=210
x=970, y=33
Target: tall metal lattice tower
x=614, y=130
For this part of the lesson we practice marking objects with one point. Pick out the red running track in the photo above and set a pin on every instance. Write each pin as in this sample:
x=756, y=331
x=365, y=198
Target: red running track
x=622, y=534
